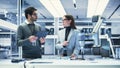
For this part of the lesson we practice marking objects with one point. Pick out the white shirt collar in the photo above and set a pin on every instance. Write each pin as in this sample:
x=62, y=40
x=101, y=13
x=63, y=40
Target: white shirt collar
x=28, y=22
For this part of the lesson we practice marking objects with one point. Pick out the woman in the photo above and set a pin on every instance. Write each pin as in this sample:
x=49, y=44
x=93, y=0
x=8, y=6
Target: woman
x=68, y=39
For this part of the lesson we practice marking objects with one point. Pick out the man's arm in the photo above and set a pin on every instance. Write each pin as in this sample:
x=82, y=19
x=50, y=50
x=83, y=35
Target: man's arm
x=20, y=38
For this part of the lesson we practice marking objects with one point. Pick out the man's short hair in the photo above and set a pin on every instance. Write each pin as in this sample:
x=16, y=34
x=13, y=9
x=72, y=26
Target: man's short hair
x=29, y=11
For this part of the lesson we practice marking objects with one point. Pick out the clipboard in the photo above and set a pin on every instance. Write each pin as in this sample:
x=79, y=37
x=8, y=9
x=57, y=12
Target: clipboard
x=41, y=34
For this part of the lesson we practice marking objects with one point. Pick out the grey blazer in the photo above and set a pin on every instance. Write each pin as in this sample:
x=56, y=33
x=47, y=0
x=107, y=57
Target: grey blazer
x=73, y=46
x=29, y=51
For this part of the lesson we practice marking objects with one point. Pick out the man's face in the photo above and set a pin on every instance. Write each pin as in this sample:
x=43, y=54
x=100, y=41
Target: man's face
x=34, y=16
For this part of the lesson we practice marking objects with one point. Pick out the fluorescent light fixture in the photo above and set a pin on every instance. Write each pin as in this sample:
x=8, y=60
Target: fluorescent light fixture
x=96, y=7
x=8, y=25
x=74, y=1
x=54, y=7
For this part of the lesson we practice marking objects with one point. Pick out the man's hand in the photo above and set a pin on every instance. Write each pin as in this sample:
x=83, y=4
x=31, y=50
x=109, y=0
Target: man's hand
x=32, y=38
x=42, y=40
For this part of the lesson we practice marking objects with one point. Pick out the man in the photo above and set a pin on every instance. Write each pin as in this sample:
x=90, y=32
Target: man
x=26, y=35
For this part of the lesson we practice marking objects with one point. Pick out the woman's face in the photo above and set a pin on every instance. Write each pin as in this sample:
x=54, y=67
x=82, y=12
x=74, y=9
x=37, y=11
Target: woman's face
x=66, y=22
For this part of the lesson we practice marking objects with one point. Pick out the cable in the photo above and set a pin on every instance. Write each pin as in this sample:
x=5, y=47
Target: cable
x=25, y=64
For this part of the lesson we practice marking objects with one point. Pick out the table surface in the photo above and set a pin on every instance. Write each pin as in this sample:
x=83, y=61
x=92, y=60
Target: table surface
x=50, y=60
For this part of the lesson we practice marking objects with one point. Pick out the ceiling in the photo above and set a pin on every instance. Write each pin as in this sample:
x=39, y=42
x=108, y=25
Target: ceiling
x=112, y=10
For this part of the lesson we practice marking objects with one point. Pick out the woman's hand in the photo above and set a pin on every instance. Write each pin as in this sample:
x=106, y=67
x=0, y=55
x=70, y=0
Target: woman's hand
x=65, y=43
x=73, y=57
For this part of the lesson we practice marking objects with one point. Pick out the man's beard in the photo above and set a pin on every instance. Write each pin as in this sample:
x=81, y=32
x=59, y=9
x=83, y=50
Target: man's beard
x=34, y=20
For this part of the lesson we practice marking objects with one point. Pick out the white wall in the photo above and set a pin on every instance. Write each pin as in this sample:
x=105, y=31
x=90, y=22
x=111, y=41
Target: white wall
x=116, y=28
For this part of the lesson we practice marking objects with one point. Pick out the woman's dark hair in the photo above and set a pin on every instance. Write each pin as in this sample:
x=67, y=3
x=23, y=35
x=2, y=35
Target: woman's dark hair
x=70, y=17
x=29, y=11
